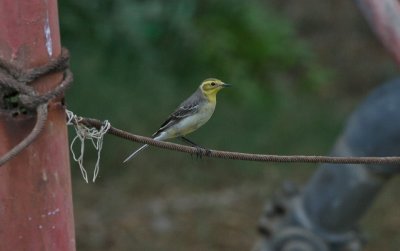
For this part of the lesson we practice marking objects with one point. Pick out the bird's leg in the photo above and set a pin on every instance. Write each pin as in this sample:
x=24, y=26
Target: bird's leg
x=201, y=151
x=191, y=143
x=186, y=140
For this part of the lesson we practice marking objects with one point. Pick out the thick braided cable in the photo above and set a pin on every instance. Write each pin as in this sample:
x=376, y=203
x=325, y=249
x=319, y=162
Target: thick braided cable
x=242, y=156
x=41, y=117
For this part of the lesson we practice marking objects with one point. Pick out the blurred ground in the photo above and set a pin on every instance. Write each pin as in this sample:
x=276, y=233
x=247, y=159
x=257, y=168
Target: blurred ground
x=170, y=201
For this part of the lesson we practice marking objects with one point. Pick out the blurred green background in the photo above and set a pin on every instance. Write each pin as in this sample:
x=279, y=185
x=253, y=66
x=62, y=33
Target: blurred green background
x=298, y=70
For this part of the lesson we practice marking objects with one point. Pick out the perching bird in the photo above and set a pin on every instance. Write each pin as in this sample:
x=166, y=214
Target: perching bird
x=190, y=115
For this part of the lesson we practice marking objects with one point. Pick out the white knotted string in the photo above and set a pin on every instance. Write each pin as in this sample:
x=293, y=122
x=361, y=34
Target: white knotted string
x=92, y=134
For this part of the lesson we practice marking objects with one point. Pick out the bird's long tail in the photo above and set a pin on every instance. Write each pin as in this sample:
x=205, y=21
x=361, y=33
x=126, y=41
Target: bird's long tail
x=136, y=152
x=161, y=136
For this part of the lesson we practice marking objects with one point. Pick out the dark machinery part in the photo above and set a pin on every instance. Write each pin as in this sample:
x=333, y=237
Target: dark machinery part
x=324, y=215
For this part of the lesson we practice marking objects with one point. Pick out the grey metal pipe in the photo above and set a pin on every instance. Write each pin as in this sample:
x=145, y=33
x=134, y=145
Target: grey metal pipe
x=330, y=207
x=337, y=196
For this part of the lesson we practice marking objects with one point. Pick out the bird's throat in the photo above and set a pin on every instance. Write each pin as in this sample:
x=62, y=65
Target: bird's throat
x=212, y=98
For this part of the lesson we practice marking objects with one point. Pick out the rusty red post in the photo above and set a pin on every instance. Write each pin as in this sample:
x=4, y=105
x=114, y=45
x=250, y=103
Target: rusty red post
x=36, y=211
x=384, y=18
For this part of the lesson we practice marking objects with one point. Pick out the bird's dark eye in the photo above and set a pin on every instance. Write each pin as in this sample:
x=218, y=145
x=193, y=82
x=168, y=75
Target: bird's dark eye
x=213, y=84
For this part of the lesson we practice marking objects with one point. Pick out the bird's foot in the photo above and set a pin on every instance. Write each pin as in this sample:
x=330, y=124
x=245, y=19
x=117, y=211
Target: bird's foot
x=200, y=152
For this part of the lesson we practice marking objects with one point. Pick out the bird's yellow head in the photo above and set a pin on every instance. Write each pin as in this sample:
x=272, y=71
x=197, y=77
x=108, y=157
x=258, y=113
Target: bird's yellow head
x=211, y=86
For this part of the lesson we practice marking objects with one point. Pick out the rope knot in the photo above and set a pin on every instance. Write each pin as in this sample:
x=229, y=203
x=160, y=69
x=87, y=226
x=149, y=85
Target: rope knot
x=17, y=96
x=26, y=100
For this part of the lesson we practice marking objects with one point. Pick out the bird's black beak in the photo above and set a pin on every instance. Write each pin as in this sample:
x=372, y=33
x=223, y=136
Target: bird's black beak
x=226, y=85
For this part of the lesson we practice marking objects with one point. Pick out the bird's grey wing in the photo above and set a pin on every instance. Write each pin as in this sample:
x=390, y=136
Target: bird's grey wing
x=183, y=111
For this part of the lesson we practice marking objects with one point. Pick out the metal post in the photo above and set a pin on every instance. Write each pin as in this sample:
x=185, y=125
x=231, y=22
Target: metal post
x=35, y=187
x=384, y=18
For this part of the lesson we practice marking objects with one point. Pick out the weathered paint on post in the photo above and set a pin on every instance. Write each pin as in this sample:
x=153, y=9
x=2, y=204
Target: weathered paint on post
x=36, y=211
